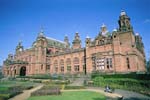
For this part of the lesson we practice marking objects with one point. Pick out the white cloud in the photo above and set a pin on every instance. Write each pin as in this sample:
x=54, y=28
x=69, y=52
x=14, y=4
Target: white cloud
x=147, y=21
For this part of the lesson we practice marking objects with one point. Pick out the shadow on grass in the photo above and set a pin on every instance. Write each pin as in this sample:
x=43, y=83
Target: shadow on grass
x=99, y=99
x=136, y=98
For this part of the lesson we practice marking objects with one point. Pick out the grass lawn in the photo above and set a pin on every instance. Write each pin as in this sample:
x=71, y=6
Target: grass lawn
x=74, y=95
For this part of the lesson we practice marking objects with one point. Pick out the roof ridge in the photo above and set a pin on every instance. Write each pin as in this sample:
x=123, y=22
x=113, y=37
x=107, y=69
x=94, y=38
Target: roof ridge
x=55, y=39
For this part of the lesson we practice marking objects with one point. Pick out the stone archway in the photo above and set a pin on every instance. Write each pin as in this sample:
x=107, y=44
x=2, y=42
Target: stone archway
x=23, y=71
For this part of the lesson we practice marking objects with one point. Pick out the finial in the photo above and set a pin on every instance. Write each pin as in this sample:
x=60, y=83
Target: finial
x=137, y=34
x=122, y=13
x=66, y=35
x=103, y=25
x=41, y=29
x=87, y=37
x=41, y=34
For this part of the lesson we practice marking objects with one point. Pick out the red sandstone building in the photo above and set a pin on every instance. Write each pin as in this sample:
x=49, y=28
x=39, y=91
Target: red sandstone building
x=120, y=51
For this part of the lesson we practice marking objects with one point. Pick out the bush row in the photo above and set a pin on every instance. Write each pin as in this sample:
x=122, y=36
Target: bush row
x=141, y=86
x=129, y=75
x=10, y=92
x=47, y=91
x=43, y=76
x=74, y=87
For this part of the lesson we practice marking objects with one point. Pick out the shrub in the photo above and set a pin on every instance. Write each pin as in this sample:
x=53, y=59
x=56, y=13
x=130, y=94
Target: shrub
x=61, y=82
x=74, y=87
x=124, y=83
x=4, y=96
x=41, y=92
x=129, y=75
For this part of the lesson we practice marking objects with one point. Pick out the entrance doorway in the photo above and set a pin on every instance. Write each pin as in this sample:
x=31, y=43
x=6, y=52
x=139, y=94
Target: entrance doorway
x=23, y=71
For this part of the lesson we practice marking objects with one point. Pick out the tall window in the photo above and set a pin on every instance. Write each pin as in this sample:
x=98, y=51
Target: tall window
x=76, y=64
x=62, y=65
x=76, y=68
x=100, y=63
x=56, y=65
x=109, y=63
x=128, y=63
x=42, y=67
x=68, y=62
x=47, y=67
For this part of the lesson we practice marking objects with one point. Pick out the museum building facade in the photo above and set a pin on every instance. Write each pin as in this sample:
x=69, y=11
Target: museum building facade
x=120, y=51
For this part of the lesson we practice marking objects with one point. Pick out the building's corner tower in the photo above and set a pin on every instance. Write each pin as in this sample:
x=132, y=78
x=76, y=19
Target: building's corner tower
x=40, y=53
x=125, y=54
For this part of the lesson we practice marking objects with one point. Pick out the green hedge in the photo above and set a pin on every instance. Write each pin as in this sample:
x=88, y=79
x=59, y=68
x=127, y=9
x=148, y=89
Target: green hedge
x=43, y=76
x=130, y=75
x=142, y=86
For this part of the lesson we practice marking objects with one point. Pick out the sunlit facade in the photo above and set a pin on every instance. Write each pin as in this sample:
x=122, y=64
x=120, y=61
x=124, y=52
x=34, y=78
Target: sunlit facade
x=120, y=51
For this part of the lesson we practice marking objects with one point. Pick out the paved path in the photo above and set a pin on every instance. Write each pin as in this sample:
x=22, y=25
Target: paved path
x=127, y=95
x=26, y=93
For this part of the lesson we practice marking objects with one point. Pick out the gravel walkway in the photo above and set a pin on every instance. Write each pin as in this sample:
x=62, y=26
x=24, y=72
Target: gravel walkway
x=26, y=93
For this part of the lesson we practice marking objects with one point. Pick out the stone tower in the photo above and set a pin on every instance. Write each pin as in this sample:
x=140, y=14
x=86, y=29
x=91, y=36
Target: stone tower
x=76, y=42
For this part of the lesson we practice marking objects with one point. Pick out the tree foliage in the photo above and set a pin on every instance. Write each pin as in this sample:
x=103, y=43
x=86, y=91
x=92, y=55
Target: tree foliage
x=148, y=65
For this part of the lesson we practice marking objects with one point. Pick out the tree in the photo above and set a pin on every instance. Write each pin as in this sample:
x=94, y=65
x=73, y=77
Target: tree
x=148, y=65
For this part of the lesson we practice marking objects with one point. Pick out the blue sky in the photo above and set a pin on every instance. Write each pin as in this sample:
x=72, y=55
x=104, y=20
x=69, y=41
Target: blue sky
x=22, y=19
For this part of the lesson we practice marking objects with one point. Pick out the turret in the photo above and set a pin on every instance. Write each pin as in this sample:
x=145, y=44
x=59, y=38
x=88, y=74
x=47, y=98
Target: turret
x=19, y=47
x=76, y=42
x=66, y=40
x=88, y=41
x=124, y=22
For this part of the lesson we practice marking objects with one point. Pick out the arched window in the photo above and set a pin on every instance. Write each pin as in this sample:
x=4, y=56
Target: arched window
x=62, y=65
x=68, y=63
x=76, y=64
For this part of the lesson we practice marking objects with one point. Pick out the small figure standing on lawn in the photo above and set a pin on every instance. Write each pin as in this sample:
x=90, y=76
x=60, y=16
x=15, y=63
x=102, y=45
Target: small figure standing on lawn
x=108, y=89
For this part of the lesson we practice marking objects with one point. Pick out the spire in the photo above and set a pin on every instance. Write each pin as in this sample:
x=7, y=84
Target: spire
x=41, y=33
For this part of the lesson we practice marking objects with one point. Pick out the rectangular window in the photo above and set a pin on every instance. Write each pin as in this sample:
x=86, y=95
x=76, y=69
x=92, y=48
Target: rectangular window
x=100, y=63
x=62, y=68
x=47, y=67
x=69, y=68
x=76, y=68
x=109, y=63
